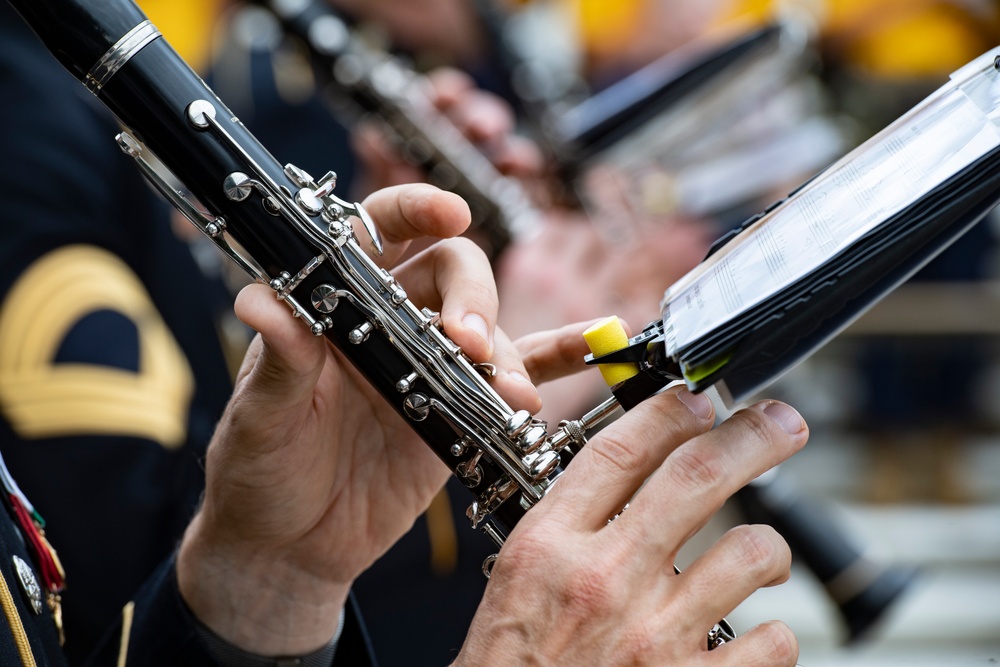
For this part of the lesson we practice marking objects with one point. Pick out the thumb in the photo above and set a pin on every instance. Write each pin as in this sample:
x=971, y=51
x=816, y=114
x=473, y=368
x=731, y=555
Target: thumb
x=284, y=363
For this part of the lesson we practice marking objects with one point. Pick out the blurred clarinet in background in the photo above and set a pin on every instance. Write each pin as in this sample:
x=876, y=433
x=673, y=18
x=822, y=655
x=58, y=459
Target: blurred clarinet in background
x=362, y=81
x=862, y=589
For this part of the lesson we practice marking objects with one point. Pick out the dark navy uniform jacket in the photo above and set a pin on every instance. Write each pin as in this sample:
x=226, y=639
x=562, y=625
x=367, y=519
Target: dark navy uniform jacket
x=112, y=374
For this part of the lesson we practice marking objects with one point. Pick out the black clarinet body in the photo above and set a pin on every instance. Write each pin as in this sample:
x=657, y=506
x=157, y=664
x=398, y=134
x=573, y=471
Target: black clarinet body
x=862, y=589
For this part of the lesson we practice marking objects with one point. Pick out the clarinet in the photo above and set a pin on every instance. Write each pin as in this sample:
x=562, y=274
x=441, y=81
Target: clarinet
x=359, y=80
x=289, y=231
x=862, y=589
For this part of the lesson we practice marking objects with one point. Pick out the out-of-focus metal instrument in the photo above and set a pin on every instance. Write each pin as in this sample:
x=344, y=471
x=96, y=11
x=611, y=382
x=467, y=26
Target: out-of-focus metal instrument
x=359, y=80
x=714, y=125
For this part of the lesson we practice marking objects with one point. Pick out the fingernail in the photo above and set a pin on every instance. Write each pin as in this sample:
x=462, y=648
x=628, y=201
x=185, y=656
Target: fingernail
x=518, y=376
x=786, y=417
x=699, y=404
x=477, y=324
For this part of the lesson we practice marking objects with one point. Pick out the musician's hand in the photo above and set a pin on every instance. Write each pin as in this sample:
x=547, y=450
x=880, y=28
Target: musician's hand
x=570, y=588
x=484, y=119
x=311, y=476
x=570, y=272
x=445, y=30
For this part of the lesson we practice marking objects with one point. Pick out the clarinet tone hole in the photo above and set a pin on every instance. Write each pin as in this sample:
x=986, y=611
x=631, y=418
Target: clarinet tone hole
x=417, y=407
x=237, y=186
x=197, y=112
x=324, y=298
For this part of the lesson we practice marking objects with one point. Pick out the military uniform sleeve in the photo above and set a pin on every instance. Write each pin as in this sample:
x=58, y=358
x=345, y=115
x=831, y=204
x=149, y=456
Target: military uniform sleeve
x=158, y=630
x=29, y=632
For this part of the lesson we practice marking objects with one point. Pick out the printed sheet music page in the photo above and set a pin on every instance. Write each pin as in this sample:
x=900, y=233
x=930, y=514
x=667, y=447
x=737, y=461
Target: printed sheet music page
x=852, y=198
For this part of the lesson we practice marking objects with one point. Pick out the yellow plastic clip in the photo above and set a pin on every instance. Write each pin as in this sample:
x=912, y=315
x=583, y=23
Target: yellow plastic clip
x=605, y=337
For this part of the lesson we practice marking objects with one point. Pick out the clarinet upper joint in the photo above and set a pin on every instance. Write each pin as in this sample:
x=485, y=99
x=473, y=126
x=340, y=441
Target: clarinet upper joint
x=165, y=182
x=317, y=198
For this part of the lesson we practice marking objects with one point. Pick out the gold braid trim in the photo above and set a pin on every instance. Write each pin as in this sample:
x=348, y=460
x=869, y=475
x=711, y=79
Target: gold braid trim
x=15, y=624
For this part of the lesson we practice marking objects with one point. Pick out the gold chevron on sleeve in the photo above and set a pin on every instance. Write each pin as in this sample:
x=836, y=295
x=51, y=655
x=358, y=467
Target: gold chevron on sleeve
x=42, y=398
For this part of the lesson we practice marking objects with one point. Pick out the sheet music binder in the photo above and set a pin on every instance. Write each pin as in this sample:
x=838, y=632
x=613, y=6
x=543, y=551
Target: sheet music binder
x=843, y=240
x=789, y=279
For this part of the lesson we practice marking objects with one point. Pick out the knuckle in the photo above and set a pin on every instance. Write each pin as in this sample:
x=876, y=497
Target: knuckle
x=779, y=643
x=619, y=458
x=463, y=255
x=759, y=549
x=680, y=422
x=476, y=296
x=581, y=585
x=696, y=468
x=758, y=426
x=526, y=547
x=643, y=639
x=588, y=590
x=462, y=248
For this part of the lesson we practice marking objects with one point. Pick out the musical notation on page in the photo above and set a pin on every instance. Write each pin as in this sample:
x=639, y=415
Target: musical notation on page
x=853, y=199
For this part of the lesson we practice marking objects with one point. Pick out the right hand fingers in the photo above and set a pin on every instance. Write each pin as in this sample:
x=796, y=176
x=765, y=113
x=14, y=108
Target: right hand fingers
x=745, y=559
x=685, y=472
x=550, y=355
x=770, y=644
x=688, y=477
x=701, y=474
x=612, y=466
